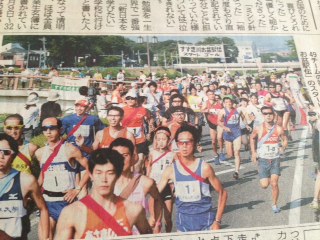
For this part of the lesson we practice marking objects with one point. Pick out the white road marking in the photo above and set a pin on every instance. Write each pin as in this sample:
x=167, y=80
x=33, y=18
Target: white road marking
x=227, y=171
x=295, y=204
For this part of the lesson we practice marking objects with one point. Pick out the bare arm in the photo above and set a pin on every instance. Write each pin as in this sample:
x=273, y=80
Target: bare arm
x=65, y=227
x=75, y=153
x=158, y=204
x=142, y=223
x=38, y=155
x=166, y=176
x=29, y=182
x=253, y=137
x=223, y=195
x=32, y=149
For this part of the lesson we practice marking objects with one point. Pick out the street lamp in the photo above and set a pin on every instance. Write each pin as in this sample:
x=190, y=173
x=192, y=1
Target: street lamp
x=154, y=39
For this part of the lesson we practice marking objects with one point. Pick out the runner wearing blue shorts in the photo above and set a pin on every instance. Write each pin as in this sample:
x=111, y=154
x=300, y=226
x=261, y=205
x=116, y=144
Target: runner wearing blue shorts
x=268, y=152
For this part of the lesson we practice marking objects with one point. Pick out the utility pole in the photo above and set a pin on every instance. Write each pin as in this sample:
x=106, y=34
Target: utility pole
x=28, y=55
x=43, y=40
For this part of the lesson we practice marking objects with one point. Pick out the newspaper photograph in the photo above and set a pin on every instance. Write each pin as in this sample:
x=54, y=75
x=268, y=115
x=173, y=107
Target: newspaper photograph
x=140, y=119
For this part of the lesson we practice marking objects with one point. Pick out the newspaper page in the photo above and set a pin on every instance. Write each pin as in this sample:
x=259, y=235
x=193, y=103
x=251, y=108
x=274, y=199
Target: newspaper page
x=238, y=39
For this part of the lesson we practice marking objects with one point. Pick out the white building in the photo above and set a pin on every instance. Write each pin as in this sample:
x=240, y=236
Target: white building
x=247, y=52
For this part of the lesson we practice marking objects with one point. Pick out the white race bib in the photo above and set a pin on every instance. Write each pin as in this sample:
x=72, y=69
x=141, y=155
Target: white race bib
x=136, y=131
x=188, y=191
x=269, y=151
x=83, y=130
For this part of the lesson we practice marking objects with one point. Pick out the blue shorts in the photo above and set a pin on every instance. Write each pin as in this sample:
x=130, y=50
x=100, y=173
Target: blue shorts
x=233, y=135
x=198, y=222
x=55, y=208
x=268, y=167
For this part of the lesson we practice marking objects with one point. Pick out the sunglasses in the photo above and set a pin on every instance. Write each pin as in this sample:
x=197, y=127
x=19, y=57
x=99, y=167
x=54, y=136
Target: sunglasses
x=14, y=127
x=185, y=142
x=50, y=127
x=267, y=113
x=6, y=152
x=130, y=98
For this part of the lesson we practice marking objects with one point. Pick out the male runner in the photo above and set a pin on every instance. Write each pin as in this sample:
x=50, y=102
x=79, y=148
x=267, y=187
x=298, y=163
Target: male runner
x=136, y=187
x=211, y=110
x=59, y=166
x=133, y=120
x=13, y=126
x=268, y=152
x=192, y=178
x=102, y=214
x=229, y=120
x=116, y=94
x=15, y=188
x=106, y=136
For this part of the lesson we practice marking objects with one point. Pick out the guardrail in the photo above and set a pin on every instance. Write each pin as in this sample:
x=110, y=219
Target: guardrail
x=43, y=83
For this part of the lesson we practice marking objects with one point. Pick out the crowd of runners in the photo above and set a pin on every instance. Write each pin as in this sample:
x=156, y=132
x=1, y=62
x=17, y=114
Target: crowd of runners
x=99, y=181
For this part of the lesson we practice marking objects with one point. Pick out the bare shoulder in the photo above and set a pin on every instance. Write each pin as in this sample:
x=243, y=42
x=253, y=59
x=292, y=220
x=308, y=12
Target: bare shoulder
x=207, y=169
x=38, y=153
x=33, y=148
x=146, y=181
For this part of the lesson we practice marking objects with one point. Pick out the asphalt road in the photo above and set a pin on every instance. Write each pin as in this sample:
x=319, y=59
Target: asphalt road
x=249, y=205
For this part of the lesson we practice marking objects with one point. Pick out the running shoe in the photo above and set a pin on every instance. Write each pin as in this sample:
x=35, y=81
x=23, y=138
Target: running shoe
x=236, y=175
x=314, y=205
x=216, y=160
x=222, y=157
x=275, y=209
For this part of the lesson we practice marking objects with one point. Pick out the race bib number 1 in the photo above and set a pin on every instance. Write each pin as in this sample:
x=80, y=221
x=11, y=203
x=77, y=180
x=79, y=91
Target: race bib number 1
x=136, y=131
x=188, y=191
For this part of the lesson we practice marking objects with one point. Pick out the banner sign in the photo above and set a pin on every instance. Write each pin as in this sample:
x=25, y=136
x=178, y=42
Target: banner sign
x=201, y=51
x=68, y=88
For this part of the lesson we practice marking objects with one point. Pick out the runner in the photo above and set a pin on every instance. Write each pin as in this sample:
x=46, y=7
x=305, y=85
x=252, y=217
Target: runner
x=192, y=178
x=133, y=120
x=59, y=166
x=159, y=158
x=268, y=152
x=279, y=102
x=13, y=126
x=15, y=188
x=211, y=110
x=136, y=187
x=102, y=214
x=229, y=120
x=116, y=94
x=106, y=136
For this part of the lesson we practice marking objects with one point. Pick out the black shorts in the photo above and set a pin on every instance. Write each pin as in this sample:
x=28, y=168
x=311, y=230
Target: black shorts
x=166, y=194
x=212, y=126
x=280, y=113
x=143, y=148
x=245, y=131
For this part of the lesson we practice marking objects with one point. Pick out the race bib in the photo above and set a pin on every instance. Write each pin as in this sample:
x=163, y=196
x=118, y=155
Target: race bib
x=83, y=130
x=213, y=111
x=269, y=151
x=188, y=191
x=57, y=181
x=136, y=131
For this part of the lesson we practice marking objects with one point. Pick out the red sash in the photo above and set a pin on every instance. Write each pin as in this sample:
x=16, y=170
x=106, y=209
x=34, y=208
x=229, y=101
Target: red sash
x=24, y=159
x=108, y=220
x=130, y=117
x=157, y=159
x=188, y=170
x=233, y=111
x=57, y=148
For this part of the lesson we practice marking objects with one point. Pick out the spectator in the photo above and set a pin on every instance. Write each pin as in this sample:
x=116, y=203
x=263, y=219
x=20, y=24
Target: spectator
x=51, y=108
x=30, y=115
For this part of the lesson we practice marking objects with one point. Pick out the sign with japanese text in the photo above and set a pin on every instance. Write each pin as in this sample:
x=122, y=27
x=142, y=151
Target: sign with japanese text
x=201, y=51
x=68, y=88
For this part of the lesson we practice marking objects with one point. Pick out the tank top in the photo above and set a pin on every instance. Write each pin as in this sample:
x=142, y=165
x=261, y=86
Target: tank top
x=193, y=196
x=107, y=139
x=19, y=164
x=158, y=167
x=233, y=121
x=270, y=148
x=60, y=176
x=213, y=112
x=194, y=102
x=97, y=229
x=280, y=102
x=12, y=209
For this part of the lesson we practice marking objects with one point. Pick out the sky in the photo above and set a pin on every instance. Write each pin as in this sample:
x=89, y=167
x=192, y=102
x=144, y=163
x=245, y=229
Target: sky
x=275, y=43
